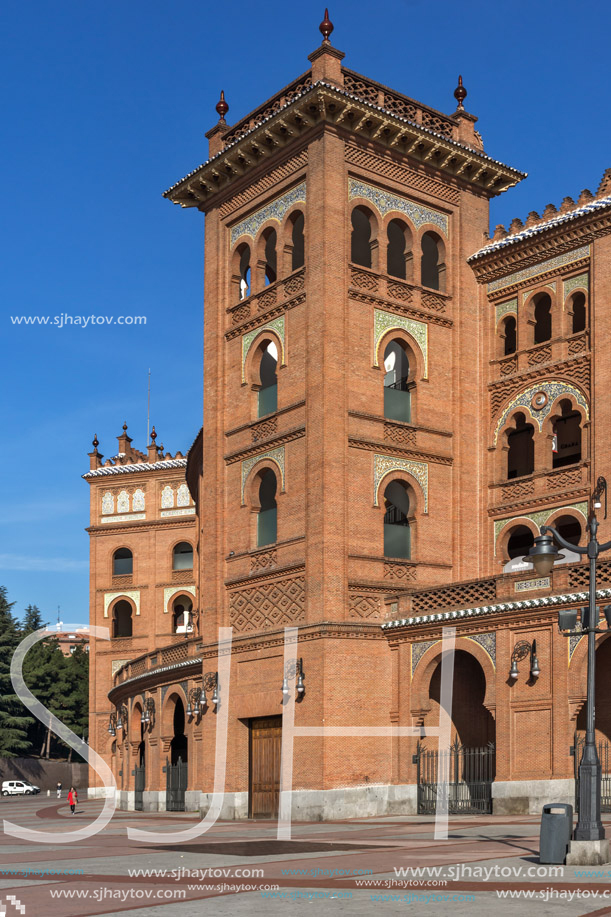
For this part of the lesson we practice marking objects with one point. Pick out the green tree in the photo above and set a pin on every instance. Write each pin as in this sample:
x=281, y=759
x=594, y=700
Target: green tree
x=14, y=721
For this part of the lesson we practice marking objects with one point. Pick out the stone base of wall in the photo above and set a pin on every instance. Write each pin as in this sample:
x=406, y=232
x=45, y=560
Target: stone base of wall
x=527, y=797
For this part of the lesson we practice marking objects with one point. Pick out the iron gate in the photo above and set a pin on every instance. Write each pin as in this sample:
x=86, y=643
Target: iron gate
x=603, y=757
x=139, y=784
x=176, y=786
x=468, y=774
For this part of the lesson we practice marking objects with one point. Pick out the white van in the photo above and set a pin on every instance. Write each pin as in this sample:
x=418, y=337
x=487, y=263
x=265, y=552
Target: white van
x=18, y=788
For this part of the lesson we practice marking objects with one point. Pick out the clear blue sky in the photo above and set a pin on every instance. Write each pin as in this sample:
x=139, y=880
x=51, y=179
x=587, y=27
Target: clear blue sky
x=106, y=104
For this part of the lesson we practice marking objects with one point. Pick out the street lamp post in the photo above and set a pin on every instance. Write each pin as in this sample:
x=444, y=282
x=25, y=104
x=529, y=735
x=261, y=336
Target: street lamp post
x=543, y=555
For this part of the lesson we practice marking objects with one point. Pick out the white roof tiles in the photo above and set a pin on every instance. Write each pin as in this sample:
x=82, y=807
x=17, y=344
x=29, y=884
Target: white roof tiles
x=136, y=467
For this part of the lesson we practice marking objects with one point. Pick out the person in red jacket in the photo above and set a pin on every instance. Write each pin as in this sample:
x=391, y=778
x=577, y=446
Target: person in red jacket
x=72, y=799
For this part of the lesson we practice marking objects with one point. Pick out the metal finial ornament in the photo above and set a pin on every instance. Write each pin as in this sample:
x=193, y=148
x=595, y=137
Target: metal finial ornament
x=460, y=93
x=125, y=428
x=153, y=434
x=95, y=442
x=326, y=26
x=222, y=107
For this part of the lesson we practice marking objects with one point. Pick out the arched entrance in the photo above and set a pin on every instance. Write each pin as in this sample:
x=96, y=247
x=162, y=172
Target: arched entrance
x=177, y=766
x=472, y=724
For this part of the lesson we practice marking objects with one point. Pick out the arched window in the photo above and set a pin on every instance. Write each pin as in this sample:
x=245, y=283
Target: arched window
x=182, y=607
x=397, y=250
x=271, y=272
x=521, y=454
x=432, y=268
x=245, y=272
x=268, y=392
x=521, y=540
x=509, y=336
x=267, y=521
x=578, y=304
x=298, y=242
x=397, y=398
x=360, y=242
x=122, y=619
x=182, y=556
x=396, y=524
x=122, y=562
x=567, y=433
x=543, y=318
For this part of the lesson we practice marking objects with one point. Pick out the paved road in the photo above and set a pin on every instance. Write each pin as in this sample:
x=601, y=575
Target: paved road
x=487, y=865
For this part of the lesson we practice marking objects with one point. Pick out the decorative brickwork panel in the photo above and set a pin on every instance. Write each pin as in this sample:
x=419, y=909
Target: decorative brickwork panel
x=279, y=102
x=515, y=491
x=564, y=480
x=240, y=314
x=437, y=124
x=267, y=181
x=541, y=355
x=400, y=107
x=366, y=91
x=433, y=303
x=508, y=367
x=385, y=202
x=398, y=571
x=577, y=345
x=138, y=667
x=263, y=561
x=364, y=607
x=174, y=654
x=276, y=211
x=399, y=291
x=364, y=280
x=401, y=436
x=384, y=166
x=268, y=605
x=264, y=430
x=579, y=576
x=182, y=576
x=267, y=299
x=294, y=284
x=465, y=595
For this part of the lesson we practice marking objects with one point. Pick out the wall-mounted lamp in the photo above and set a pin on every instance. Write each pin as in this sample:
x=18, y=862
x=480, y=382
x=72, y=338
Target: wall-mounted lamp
x=112, y=724
x=210, y=682
x=122, y=717
x=194, y=705
x=148, y=712
x=520, y=651
x=291, y=670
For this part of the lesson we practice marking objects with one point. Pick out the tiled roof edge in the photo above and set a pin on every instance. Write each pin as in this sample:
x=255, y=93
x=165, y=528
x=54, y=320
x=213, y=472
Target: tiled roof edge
x=136, y=466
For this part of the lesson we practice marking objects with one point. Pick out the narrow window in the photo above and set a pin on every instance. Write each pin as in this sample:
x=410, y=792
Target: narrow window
x=268, y=393
x=267, y=520
x=245, y=272
x=122, y=619
x=567, y=443
x=432, y=268
x=360, y=243
x=181, y=614
x=270, y=257
x=510, y=342
x=182, y=556
x=298, y=253
x=396, y=525
x=543, y=319
x=579, y=313
x=122, y=562
x=396, y=253
x=521, y=453
x=397, y=398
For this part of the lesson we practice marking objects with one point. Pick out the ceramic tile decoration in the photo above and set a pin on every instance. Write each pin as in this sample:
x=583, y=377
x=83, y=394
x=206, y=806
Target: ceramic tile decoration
x=116, y=665
x=387, y=321
x=276, y=325
x=183, y=498
x=582, y=281
x=131, y=517
x=540, y=518
x=274, y=455
x=187, y=511
x=553, y=389
x=384, y=464
x=167, y=497
x=276, y=210
x=123, y=502
x=573, y=641
x=138, y=500
x=385, y=202
x=487, y=642
x=418, y=651
x=109, y=598
x=510, y=306
x=542, y=268
x=169, y=591
x=108, y=503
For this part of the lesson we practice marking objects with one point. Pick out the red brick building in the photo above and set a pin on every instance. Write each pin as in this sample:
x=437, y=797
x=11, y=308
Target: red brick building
x=393, y=404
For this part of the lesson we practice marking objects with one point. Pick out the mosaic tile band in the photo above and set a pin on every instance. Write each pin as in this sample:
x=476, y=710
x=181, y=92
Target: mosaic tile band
x=541, y=268
x=385, y=202
x=277, y=211
x=388, y=321
x=539, y=518
x=277, y=326
x=274, y=455
x=510, y=306
x=487, y=643
x=385, y=464
x=109, y=598
x=553, y=389
x=573, y=283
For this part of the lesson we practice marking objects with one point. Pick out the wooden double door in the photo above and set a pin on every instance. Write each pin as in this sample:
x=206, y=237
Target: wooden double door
x=264, y=769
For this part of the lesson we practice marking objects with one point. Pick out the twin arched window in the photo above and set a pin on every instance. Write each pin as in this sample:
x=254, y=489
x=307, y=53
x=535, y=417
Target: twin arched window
x=266, y=257
x=566, y=444
x=521, y=540
x=541, y=317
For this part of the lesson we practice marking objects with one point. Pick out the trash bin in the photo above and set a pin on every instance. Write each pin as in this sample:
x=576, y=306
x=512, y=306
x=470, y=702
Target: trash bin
x=556, y=828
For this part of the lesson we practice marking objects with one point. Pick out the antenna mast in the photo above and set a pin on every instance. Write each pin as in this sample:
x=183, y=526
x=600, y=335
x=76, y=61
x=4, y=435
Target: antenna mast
x=148, y=410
